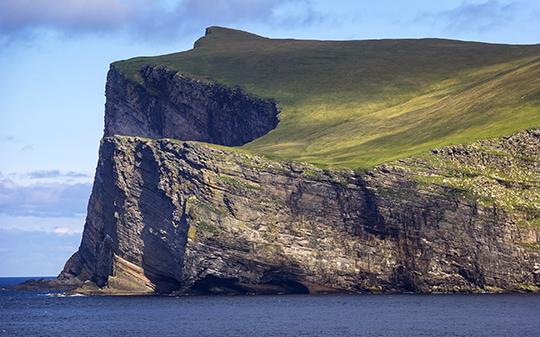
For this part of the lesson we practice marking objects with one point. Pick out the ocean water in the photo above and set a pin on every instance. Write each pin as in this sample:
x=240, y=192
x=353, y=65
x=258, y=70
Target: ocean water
x=42, y=314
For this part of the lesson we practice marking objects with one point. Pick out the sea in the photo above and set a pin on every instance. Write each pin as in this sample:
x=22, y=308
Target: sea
x=34, y=313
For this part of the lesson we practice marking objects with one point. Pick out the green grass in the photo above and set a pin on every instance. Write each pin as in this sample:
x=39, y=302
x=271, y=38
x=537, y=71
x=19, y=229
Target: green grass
x=206, y=227
x=361, y=103
x=508, y=182
x=237, y=183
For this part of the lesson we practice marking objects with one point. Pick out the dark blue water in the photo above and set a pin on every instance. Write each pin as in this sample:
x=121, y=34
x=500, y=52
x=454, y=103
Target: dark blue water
x=39, y=314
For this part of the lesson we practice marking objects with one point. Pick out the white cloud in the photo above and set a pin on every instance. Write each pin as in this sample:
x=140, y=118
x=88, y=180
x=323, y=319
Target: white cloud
x=143, y=18
x=75, y=14
x=51, y=225
x=43, y=199
x=475, y=16
x=47, y=174
x=66, y=230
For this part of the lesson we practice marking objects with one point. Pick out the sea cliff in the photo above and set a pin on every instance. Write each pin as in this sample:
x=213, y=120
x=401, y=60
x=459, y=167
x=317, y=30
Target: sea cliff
x=170, y=214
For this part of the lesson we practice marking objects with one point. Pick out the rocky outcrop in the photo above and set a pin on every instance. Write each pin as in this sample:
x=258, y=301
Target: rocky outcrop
x=172, y=216
x=166, y=104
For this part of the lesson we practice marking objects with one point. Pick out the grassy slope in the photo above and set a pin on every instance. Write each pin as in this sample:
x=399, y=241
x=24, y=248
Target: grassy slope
x=361, y=103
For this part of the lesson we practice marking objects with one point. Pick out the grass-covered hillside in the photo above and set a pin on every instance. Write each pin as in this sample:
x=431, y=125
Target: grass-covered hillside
x=361, y=103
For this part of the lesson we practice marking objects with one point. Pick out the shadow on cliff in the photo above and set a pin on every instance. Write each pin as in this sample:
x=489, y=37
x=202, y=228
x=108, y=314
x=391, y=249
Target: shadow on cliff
x=277, y=281
x=169, y=105
x=164, y=235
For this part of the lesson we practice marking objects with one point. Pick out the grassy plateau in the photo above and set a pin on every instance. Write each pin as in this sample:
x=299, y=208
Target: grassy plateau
x=361, y=103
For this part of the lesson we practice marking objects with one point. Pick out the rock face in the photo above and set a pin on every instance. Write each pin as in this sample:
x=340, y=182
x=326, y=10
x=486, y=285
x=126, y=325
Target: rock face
x=167, y=215
x=168, y=105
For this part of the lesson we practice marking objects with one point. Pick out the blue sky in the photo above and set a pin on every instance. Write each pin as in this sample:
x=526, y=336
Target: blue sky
x=54, y=56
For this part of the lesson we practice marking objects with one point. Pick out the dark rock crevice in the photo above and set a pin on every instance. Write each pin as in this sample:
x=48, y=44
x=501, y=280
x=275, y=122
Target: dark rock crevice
x=370, y=218
x=164, y=235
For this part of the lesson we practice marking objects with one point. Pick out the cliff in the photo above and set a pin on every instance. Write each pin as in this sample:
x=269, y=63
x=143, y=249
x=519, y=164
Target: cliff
x=174, y=216
x=167, y=215
x=170, y=105
x=170, y=214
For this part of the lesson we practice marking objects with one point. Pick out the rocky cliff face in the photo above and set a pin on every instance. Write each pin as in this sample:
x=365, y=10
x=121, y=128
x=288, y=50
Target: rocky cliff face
x=172, y=216
x=165, y=104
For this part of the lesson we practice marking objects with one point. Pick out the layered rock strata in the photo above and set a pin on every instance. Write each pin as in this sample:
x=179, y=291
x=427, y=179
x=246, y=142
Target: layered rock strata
x=184, y=217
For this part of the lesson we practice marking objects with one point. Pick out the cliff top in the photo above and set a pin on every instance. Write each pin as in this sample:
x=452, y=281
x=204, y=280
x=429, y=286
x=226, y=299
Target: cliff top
x=361, y=103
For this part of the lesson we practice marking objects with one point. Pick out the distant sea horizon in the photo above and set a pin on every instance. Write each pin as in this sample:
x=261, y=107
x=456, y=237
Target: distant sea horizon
x=10, y=281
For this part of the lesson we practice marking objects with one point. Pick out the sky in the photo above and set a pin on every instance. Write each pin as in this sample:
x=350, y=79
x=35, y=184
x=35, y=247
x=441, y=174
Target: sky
x=54, y=57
